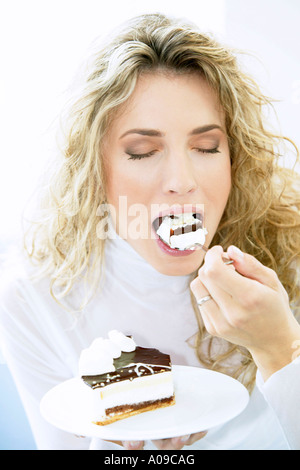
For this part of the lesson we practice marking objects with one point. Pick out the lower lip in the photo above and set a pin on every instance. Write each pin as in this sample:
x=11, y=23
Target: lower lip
x=171, y=251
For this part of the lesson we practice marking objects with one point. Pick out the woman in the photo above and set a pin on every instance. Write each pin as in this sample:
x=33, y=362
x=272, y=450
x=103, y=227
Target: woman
x=167, y=123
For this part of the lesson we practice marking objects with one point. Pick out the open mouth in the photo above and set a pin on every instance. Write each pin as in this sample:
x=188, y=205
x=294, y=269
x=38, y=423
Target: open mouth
x=179, y=231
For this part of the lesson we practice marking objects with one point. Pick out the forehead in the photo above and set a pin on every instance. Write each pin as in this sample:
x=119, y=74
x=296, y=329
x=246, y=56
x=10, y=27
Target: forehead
x=165, y=96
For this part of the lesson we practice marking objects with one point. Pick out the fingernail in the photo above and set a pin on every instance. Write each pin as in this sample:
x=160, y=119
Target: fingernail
x=185, y=438
x=237, y=252
x=132, y=444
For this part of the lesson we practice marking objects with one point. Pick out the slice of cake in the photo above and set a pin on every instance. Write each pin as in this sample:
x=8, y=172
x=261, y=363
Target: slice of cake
x=126, y=379
x=181, y=230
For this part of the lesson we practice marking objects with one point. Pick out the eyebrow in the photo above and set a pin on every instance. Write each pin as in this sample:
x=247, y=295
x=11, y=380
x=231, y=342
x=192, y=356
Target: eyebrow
x=148, y=132
x=156, y=133
x=209, y=127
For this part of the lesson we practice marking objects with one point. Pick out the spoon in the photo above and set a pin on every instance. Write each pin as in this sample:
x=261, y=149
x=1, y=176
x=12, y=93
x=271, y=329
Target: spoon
x=198, y=246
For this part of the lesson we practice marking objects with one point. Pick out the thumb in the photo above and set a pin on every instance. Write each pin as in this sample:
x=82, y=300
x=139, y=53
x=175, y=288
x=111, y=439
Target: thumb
x=248, y=266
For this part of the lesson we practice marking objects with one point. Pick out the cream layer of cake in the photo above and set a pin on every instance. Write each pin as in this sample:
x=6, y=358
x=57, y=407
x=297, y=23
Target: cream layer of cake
x=128, y=397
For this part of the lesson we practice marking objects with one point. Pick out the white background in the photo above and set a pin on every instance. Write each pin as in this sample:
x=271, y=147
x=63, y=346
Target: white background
x=43, y=43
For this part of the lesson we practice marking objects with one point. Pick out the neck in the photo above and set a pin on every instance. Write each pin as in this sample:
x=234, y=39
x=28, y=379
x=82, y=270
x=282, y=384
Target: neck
x=123, y=261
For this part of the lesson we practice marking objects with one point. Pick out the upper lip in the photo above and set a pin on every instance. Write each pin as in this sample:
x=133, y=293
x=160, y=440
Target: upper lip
x=179, y=209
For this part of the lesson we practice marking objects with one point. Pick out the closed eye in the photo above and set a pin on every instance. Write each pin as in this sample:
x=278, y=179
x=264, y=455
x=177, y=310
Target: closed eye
x=137, y=156
x=200, y=150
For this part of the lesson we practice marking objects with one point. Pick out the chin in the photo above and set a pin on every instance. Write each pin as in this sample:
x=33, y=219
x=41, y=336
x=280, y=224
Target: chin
x=177, y=267
x=167, y=264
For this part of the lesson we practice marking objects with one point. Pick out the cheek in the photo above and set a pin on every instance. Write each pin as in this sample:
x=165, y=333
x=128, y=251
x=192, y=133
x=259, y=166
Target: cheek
x=130, y=195
x=217, y=188
x=133, y=184
x=117, y=182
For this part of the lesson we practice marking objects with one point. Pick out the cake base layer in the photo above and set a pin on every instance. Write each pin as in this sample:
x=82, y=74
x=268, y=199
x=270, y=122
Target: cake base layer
x=125, y=411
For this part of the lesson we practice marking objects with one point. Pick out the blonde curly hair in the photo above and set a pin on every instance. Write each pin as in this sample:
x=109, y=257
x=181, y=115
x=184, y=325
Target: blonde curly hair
x=262, y=214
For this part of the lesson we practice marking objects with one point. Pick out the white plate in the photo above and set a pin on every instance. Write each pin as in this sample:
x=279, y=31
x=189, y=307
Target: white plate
x=204, y=399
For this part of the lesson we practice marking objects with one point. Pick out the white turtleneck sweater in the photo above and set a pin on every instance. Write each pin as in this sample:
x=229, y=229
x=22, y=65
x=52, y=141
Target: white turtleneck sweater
x=42, y=342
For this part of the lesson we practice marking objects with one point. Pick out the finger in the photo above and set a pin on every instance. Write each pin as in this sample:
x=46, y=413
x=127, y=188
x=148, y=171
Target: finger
x=198, y=288
x=210, y=311
x=199, y=291
x=206, y=283
x=250, y=267
x=177, y=443
x=133, y=445
x=196, y=437
x=215, y=274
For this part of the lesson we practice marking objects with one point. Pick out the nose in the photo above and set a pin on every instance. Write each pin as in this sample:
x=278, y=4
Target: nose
x=179, y=176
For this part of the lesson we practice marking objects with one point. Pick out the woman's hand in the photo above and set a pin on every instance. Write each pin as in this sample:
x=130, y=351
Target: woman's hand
x=249, y=307
x=175, y=443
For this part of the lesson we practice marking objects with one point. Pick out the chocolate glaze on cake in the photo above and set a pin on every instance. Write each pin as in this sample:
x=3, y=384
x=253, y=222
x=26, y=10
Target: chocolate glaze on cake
x=130, y=365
